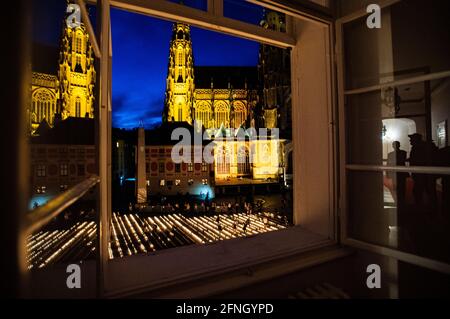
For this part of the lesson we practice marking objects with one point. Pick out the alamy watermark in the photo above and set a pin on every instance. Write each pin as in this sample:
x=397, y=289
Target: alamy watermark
x=74, y=18
x=74, y=279
x=262, y=146
x=374, y=19
x=374, y=279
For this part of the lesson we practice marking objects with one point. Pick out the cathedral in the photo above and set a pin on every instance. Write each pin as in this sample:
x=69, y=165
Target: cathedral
x=69, y=91
x=229, y=100
x=215, y=96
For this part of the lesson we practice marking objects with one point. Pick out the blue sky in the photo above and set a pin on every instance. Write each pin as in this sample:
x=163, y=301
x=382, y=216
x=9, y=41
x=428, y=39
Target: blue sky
x=140, y=54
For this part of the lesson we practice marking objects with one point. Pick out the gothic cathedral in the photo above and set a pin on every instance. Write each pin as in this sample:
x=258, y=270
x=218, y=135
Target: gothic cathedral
x=219, y=97
x=69, y=93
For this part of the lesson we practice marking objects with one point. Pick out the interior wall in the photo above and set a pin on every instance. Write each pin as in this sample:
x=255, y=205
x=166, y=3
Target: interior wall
x=311, y=124
x=440, y=108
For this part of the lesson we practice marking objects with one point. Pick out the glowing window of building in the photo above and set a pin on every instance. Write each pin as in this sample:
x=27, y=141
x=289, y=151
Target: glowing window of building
x=243, y=161
x=190, y=182
x=222, y=114
x=239, y=114
x=190, y=167
x=203, y=113
x=205, y=181
x=78, y=44
x=64, y=169
x=40, y=170
x=162, y=182
x=180, y=113
x=180, y=57
x=177, y=182
x=78, y=107
x=204, y=167
x=223, y=161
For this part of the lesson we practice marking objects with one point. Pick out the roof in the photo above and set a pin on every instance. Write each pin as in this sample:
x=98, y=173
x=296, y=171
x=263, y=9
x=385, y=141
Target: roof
x=221, y=75
x=72, y=131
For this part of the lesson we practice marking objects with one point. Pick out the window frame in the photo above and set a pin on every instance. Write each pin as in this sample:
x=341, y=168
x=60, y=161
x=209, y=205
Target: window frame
x=320, y=30
x=41, y=170
x=344, y=168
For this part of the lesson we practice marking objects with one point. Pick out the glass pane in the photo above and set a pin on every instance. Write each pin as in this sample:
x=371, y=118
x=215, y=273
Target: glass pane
x=61, y=136
x=200, y=84
x=377, y=119
x=196, y=4
x=409, y=212
x=414, y=38
x=254, y=14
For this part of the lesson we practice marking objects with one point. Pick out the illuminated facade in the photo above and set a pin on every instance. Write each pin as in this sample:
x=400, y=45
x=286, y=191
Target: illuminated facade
x=60, y=159
x=197, y=94
x=225, y=100
x=180, y=77
x=69, y=93
x=255, y=159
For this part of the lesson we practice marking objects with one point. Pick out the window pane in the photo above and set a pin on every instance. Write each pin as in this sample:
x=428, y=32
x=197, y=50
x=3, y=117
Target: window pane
x=254, y=14
x=414, y=37
x=201, y=85
x=196, y=4
x=61, y=131
x=409, y=212
x=377, y=119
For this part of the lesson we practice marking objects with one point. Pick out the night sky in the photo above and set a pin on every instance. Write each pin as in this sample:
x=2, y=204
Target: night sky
x=140, y=54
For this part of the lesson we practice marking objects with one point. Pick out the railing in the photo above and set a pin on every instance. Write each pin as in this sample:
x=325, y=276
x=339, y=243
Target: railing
x=42, y=215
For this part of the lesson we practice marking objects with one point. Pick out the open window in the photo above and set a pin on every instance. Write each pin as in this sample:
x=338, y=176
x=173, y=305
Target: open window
x=393, y=105
x=307, y=170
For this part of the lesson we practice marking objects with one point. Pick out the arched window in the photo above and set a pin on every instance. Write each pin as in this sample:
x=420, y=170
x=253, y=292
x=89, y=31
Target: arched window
x=240, y=114
x=180, y=113
x=223, y=160
x=78, y=44
x=222, y=114
x=180, y=57
x=243, y=161
x=78, y=107
x=43, y=100
x=203, y=113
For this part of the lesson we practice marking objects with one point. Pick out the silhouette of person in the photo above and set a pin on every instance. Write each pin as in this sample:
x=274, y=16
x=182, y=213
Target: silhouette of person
x=398, y=158
x=423, y=154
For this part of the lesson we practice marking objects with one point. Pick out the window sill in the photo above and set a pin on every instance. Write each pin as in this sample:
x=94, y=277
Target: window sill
x=211, y=269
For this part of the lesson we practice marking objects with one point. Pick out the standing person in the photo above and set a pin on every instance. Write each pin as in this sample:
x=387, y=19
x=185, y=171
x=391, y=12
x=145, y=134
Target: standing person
x=423, y=154
x=398, y=158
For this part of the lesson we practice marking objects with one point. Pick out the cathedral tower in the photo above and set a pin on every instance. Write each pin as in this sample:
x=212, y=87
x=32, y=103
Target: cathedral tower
x=69, y=92
x=76, y=74
x=180, y=77
x=274, y=70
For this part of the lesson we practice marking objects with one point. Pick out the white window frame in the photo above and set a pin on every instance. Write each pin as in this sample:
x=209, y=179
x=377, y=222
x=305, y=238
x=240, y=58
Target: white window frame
x=314, y=207
x=344, y=167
